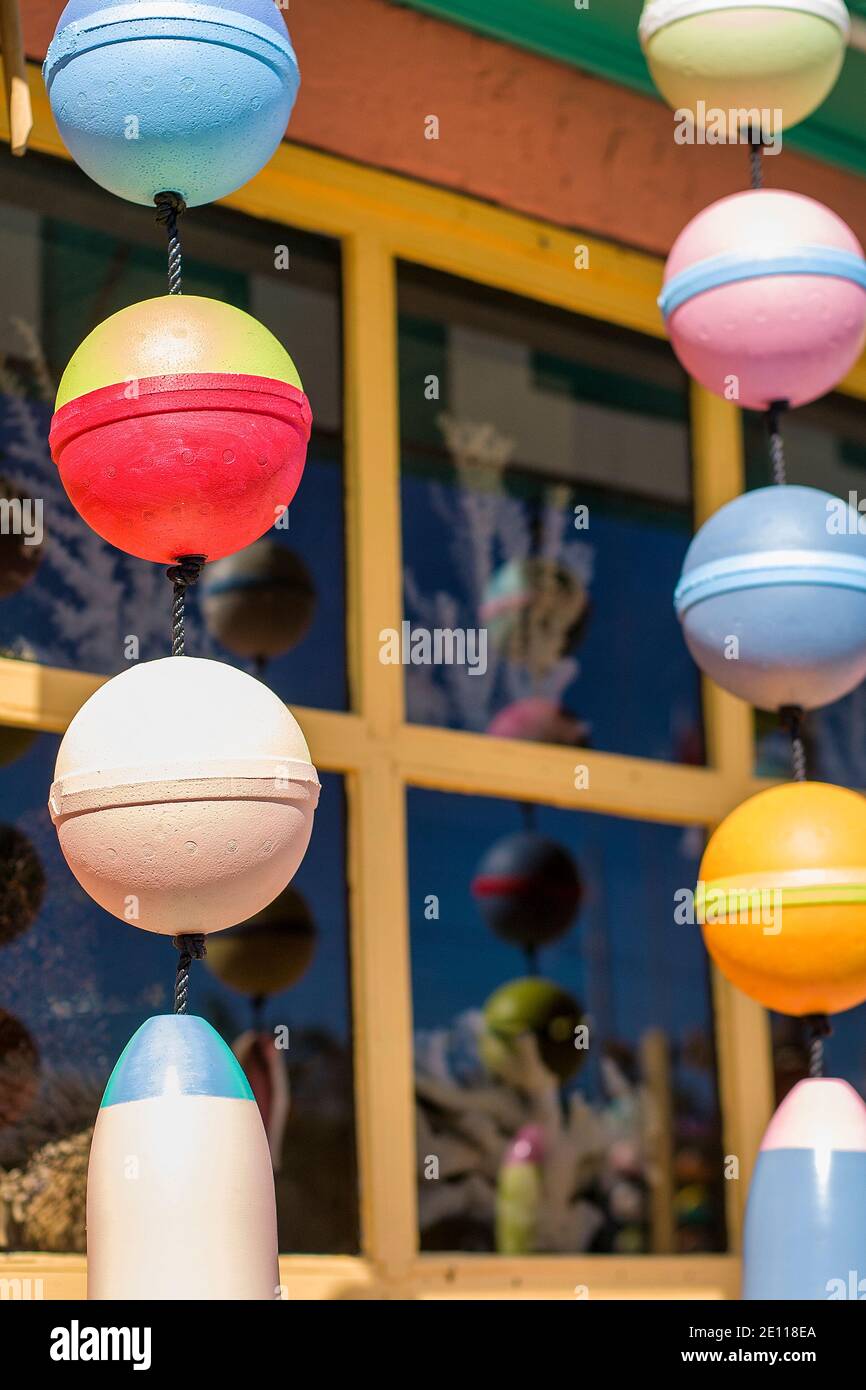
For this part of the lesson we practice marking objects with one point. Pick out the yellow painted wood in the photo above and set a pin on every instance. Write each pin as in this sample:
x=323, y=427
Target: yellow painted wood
x=382, y=1018
x=618, y=785
x=579, y=1278
x=719, y=476
x=372, y=479
x=855, y=382
x=377, y=832
x=746, y=1090
x=19, y=112
x=42, y=697
x=437, y=1277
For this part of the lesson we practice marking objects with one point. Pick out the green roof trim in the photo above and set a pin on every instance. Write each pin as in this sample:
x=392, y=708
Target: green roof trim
x=602, y=39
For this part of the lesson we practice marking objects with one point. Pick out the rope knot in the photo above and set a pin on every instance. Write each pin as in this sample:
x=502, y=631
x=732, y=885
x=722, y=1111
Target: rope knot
x=184, y=572
x=169, y=207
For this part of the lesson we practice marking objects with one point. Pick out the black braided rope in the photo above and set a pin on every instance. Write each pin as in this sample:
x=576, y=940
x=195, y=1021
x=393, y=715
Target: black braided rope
x=191, y=947
x=184, y=572
x=756, y=163
x=819, y=1027
x=777, y=446
x=792, y=720
x=169, y=207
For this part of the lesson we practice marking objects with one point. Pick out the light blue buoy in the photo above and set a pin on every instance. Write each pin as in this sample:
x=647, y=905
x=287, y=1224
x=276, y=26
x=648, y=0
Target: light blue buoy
x=772, y=597
x=163, y=96
x=805, y=1229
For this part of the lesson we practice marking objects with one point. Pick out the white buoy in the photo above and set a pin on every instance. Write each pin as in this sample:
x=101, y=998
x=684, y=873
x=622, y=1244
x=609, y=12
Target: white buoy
x=180, y=1189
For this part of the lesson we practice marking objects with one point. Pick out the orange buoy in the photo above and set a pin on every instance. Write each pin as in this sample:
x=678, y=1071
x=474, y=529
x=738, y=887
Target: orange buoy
x=782, y=898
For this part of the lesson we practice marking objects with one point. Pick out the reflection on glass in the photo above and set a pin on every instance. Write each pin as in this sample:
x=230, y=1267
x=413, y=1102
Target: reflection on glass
x=564, y=1058
x=69, y=599
x=825, y=447
x=75, y=984
x=546, y=511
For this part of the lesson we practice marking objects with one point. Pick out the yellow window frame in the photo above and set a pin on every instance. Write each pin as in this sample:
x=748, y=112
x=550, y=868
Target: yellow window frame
x=380, y=218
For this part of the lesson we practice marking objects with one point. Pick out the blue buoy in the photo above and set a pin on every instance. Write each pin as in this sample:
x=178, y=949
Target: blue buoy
x=161, y=95
x=805, y=1231
x=772, y=597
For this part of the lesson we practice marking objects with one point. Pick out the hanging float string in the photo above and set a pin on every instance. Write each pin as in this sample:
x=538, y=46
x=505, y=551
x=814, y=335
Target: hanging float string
x=184, y=572
x=192, y=947
x=819, y=1027
x=792, y=720
x=777, y=444
x=169, y=207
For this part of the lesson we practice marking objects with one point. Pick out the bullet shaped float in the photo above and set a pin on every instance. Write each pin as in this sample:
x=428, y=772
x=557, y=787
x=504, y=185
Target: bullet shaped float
x=180, y=1190
x=806, y=1219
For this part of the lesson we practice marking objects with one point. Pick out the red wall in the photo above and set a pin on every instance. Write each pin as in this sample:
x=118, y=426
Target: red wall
x=515, y=129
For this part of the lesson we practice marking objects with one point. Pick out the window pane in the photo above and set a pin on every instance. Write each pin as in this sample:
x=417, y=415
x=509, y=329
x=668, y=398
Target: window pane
x=79, y=256
x=625, y=1132
x=825, y=447
x=547, y=508
x=75, y=983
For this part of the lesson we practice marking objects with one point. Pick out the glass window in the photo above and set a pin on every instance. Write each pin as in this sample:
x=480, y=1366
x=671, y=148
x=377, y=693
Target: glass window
x=79, y=256
x=547, y=507
x=75, y=983
x=533, y=1134
x=825, y=447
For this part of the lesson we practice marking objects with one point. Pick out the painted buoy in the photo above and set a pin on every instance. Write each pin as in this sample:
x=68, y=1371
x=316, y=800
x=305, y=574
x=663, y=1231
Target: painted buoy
x=183, y=796
x=268, y=953
x=781, y=57
x=528, y=889
x=172, y=96
x=772, y=597
x=782, y=895
x=197, y=1217
x=260, y=602
x=764, y=298
x=181, y=428
x=805, y=1229
x=537, y=1007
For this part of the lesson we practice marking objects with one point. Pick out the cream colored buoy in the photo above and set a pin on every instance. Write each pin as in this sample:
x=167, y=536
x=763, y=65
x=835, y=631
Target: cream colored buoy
x=183, y=796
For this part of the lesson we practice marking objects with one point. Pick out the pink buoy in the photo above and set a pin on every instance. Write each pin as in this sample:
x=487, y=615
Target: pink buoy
x=764, y=298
